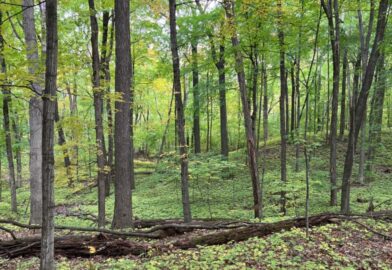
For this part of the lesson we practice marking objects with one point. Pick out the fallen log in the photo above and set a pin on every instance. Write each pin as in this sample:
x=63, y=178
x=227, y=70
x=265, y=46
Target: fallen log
x=75, y=246
x=264, y=229
x=114, y=244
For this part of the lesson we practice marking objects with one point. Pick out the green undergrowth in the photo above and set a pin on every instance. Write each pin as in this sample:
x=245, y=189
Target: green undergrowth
x=222, y=189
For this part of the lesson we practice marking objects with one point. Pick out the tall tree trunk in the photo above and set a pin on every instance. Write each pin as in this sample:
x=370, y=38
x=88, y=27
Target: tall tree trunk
x=196, y=99
x=255, y=75
x=208, y=114
x=293, y=92
x=265, y=98
x=35, y=115
x=49, y=108
x=282, y=99
x=361, y=104
x=180, y=113
x=220, y=64
x=98, y=112
x=122, y=217
x=343, y=96
x=251, y=146
x=106, y=52
x=332, y=13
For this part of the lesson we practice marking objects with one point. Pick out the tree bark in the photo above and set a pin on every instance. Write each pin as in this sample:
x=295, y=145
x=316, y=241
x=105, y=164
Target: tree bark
x=106, y=53
x=49, y=109
x=332, y=13
x=122, y=217
x=35, y=115
x=265, y=97
x=255, y=75
x=220, y=64
x=98, y=112
x=282, y=99
x=180, y=113
x=196, y=99
x=343, y=97
x=251, y=146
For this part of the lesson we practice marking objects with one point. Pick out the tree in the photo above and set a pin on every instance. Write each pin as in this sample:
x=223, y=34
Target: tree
x=49, y=109
x=106, y=54
x=282, y=108
x=122, y=217
x=332, y=13
x=35, y=114
x=180, y=120
x=98, y=112
x=196, y=98
x=251, y=146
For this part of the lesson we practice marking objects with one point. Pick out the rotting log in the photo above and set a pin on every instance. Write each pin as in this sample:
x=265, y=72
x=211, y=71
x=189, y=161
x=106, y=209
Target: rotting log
x=76, y=246
x=114, y=243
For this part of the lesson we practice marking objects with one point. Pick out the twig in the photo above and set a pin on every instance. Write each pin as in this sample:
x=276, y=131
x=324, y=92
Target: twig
x=81, y=229
x=384, y=236
x=8, y=231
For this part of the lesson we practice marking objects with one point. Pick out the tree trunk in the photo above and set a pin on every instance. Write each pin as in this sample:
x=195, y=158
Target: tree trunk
x=122, y=217
x=222, y=102
x=293, y=92
x=332, y=13
x=265, y=98
x=251, y=146
x=255, y=75
x=106, y=52
x=343, y=96
x=196, y=99
x=98, y=112
x=35, y=115
x=282, y=99
x=361, y=104
x=180, y=113
x=49, y=108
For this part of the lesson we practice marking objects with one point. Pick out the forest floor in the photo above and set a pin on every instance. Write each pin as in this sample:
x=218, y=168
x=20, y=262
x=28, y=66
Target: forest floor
x=222, y=190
